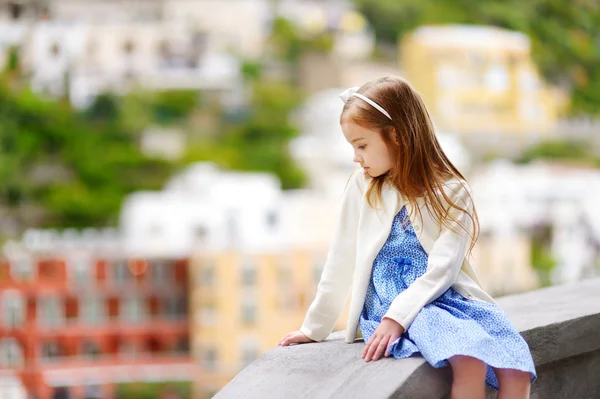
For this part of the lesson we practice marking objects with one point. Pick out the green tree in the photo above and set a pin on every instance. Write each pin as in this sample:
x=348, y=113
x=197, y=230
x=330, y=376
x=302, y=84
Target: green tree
x=257, y=138
x=59, y=170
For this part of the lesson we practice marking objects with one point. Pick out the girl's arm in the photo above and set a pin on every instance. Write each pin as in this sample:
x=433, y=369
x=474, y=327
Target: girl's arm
x=444, y=263
x=336, y=280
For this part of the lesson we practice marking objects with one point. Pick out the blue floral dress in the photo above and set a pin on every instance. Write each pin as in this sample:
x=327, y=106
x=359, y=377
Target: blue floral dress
x=451, y=324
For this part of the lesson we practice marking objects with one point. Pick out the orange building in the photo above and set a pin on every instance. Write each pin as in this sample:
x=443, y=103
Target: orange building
x=86, y=326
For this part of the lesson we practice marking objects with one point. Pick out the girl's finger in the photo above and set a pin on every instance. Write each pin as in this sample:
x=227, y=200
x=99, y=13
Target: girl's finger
x=380, y=348
x=387, y=346
x=365, y=350
x=372, y=348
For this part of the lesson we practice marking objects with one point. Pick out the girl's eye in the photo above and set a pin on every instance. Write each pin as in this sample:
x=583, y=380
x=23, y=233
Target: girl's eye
x=362, y=147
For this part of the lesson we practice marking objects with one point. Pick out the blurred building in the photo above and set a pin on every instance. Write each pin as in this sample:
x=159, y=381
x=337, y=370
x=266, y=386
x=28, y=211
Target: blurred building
x=83, y=60
x=81, y=48
x=83, y=320
x=24, y=10
x=257, y=253
x=480, y=82
x=549, y=205
x=243, y=303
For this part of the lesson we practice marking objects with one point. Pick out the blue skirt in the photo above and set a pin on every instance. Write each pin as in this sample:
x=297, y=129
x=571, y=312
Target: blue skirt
x=451, y=324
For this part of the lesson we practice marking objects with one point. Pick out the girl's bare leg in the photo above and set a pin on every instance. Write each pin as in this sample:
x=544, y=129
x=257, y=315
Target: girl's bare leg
x=514, y=384
x=468, y=377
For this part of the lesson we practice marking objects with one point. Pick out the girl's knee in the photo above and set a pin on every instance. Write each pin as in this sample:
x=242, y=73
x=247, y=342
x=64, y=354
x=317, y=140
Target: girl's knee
x=467, y=365
x=512, y=376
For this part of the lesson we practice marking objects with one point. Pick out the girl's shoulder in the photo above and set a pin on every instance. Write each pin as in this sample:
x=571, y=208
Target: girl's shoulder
x=359, y=180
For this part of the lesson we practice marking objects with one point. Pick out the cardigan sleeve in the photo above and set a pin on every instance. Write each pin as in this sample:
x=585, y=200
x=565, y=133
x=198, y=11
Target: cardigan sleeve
x=444, y=263
x=336, y=280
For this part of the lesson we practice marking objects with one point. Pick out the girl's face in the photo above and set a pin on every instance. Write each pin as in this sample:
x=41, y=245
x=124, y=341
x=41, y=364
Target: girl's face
x=370, y=151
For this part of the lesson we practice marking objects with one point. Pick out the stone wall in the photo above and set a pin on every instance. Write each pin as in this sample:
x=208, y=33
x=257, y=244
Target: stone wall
x=561, y=324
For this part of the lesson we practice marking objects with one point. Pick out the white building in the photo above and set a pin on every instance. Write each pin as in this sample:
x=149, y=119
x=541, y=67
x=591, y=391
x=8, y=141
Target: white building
x=204, y=208
x=93, y=58
x=514, y=199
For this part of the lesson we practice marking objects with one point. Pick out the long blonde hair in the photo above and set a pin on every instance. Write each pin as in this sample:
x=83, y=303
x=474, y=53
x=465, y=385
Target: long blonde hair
x=419, y=166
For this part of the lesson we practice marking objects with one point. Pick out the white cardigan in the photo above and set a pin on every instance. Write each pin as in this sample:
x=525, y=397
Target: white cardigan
x=358, y=238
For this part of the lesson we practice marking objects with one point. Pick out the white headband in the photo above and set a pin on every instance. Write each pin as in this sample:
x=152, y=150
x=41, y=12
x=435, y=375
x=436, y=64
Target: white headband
x=353, y=92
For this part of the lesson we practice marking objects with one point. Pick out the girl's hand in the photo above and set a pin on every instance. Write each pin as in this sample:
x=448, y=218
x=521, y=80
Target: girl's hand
x=388, y=331
x=295, y=337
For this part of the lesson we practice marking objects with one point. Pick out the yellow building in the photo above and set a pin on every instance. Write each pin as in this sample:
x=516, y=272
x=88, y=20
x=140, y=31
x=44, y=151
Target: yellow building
x=478, y=79
x=243, y=303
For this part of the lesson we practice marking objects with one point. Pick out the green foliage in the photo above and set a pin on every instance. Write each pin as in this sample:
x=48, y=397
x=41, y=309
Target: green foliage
x=564, y=35
x=542, y=262
x=12, y=64
x=72, y=172
x=251, y=70
x=257, y=139
x=139, y=108
x=559, y=150
x=153, y=390
x=290, y=43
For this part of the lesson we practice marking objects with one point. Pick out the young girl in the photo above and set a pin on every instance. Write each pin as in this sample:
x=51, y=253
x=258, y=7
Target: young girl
x=401, y=247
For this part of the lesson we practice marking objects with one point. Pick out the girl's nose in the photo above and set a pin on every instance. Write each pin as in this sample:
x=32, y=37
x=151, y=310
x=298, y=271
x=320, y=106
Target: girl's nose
x=356, y=158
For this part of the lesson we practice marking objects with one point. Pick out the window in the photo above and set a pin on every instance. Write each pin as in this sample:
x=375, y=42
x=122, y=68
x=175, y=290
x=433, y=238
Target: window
x=249, y=311
x=12, y=309
x=248, y=273
x=134, y=310
x=81, y=273
x=161, y=272
x=231, y=226
x=122, y=275
x=128, y=47
x=11, y=354
x=15, y=9
x=22, y=270
x=200, y=232
x=55, y=50
x=49, y=351
x=50, y=311
x=182, y=346
x=271, y=219
x=209, y=359
x=207, y=275
x=176, y=307
x=93, y=310
x=90, y=349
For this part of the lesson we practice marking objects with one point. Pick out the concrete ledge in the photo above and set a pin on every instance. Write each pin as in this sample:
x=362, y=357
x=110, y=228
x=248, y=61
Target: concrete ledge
x=561, y=325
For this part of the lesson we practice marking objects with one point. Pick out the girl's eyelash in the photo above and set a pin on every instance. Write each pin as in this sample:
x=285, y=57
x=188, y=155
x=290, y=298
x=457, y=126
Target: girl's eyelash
x=362, y=147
